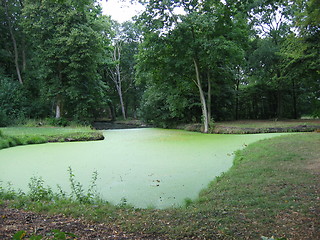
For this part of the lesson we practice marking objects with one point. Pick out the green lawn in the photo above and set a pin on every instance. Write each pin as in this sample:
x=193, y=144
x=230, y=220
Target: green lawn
x=43, y=131
x=13, y=136
x=257, y=126
x=266, y=126
x=269, y=123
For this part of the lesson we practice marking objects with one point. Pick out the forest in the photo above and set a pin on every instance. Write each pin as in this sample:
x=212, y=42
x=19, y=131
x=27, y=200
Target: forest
x=178, y=62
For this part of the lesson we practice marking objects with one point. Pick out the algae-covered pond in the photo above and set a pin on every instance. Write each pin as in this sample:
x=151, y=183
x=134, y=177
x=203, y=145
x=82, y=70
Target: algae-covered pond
x=147, y=167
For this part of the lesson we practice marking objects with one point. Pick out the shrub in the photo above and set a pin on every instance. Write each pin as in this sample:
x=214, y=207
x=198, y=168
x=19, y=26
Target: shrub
x=3, y=143
x=7, y=193
x=4, y=120
x=35, y=139
x=37, y=191
x=60, y=122
x=13, y=102
x=77, y=191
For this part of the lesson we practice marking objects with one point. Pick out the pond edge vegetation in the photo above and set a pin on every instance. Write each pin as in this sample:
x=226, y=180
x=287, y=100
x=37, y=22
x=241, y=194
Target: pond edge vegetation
x=256, y=126
x=78, y=134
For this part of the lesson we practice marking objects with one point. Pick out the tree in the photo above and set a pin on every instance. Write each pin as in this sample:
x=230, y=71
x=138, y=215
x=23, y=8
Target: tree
x=115, y=73
x=13, y=103
x=12, y=12
x=69, y=41
x=170, y=95
x=304, y=51
x=205, y=39
x=273, y=22
x=126, y=38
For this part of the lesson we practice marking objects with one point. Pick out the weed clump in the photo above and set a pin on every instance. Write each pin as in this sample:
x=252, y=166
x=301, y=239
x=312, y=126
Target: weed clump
x=56, y=234
x=39, y=192
x=77, y=191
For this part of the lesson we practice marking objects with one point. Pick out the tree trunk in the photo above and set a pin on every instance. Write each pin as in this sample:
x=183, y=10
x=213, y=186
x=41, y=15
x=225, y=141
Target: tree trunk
x=279, y=104
x=112, y=112
x=279, y=96
x=59, y=97
x=24, y=59
x=202, y=99
x=122, y=104
x=119, y=89
x=209, y=97
x=14, y=42
x=116, y=76
x=237, y=99
x=58, y=109
x=294, y=98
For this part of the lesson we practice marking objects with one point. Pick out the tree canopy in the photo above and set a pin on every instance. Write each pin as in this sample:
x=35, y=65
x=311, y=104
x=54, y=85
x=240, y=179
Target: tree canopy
x=179, y=62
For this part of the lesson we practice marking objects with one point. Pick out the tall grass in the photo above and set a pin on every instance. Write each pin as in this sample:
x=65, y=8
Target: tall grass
x=39, y=192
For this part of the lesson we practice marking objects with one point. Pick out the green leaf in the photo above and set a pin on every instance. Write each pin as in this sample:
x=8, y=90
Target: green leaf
x=19, y=235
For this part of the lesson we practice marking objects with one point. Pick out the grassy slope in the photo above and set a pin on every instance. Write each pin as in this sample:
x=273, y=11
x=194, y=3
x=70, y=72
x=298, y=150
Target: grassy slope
x=265, y=126
x=272, y=190
x=270, y=123
x=258, y=126
x=13, y=136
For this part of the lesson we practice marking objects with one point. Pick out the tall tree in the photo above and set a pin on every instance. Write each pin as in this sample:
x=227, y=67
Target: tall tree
x=273, y=22
x=69, y=41
x=126, y=38
x=306, y=58
x=205, y=38
x=12, y=12
x=115, y=72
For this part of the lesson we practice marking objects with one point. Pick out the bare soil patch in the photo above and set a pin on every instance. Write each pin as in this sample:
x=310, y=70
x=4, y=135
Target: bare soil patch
x=14, y=220
x=314, y=166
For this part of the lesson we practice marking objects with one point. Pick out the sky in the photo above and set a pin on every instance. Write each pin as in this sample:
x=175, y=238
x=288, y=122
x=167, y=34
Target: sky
x=120, y=10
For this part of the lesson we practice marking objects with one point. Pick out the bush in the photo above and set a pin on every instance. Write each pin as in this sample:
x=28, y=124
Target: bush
x=13, y=102
x=37, y=191
x=6, y=141
x=9, y=141
x=4, y=120
x=59, y=122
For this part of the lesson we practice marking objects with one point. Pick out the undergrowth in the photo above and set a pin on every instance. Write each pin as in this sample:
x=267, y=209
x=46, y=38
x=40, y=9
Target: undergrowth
x=38, y=192
x=54, y=234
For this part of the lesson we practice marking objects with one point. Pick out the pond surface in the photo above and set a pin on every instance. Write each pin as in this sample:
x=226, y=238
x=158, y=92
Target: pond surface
x=147, y=167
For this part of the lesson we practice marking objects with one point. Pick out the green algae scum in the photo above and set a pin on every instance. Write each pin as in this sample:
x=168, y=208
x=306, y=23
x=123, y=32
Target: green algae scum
x=146, y=167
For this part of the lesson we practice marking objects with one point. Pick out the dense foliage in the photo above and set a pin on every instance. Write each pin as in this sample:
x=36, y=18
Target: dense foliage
x=233, y=60
x=180, y=61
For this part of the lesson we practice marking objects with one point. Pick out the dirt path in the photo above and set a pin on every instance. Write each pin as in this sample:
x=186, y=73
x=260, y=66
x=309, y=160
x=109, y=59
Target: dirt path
x=14, y=220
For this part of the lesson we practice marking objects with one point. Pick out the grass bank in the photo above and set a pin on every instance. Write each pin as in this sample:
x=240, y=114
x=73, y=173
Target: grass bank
x=258, y=126
x=272, y=190
x=14, y=136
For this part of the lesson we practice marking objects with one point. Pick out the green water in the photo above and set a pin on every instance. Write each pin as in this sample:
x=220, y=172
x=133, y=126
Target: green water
x=148, y=167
